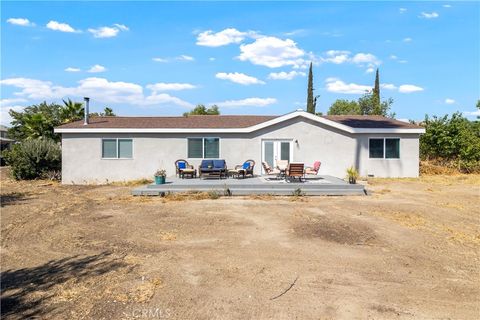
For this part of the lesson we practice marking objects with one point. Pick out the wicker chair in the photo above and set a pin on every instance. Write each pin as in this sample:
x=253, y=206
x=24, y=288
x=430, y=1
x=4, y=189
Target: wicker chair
x=180, y=165
x=269, y=171
x=313, y=170
x=244, y=169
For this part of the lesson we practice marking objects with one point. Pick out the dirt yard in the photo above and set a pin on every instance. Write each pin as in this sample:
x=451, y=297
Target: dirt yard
x=410, y=250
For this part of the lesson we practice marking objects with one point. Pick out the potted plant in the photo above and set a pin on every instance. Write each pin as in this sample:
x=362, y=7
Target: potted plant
x=160, y=176
x=352, y=175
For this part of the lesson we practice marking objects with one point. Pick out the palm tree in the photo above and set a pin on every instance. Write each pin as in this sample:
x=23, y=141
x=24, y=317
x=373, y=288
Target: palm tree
x=72, y=111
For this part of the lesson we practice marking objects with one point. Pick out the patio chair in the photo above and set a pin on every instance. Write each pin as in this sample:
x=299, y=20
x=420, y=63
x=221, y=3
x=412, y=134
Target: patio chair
x=295, y=171
x=282, y=165
x=313, y=170
x=216, y=168
x=269, y=171
x=244, y=169
x=181, y=165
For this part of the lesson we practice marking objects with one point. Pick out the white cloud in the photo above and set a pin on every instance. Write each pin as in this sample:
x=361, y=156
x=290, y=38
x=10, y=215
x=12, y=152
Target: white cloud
x=21, y=22
x=5, y=118
x=211, y=59
x=225, y=37
x=273, y=52
x=388, y=86
x=393, y=57
x=475, y=113
x=184, y=57
x=99, y=89
x=337, y=56
x=286, y=75
x=248, y=102
x=121, y=26
x=338, y=86
x=72, y=69
x=6, y=102
x=239, y=78
x=162, y=86
x=108, y=32
x=407, y=39
x=449, y=101
x=97, y=68
x=370, y=70
x=57, y=26
x=402, y=10
x=160, y=60
x=366, y=58
x=447, y=6
x=409, y=88
x=402, y=61
x=431, y=15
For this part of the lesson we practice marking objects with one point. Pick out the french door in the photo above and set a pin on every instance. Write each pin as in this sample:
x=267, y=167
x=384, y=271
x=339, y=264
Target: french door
x=274, y=150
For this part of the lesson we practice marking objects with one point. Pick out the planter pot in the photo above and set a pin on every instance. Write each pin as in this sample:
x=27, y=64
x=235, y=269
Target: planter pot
x=159, y=180
x=352, y=180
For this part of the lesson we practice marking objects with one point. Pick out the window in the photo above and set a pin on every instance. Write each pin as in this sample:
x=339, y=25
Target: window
x=384, y=148
x=117, y=148
x=203, y=147
x=392, y=148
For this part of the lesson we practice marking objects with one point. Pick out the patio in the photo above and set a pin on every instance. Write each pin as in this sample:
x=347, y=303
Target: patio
x=312, y=186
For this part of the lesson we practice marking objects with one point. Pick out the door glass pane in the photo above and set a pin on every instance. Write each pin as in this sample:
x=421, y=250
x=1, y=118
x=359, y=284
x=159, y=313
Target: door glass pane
x=268, y=149
x=376, y=148
x=195, y=149
x=392, y=148
x=125, y=148
x=212, y=147
x=109, y=148
x=285, y=151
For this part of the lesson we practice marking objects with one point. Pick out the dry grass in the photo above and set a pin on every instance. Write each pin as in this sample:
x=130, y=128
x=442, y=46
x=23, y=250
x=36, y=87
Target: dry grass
x=192, y=195
x=131, y=183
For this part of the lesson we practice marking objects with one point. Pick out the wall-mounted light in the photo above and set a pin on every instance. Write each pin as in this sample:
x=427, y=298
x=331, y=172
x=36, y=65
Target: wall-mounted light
x=296, y=142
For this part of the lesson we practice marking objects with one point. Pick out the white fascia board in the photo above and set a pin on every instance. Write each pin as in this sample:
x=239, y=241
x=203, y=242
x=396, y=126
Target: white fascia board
x=239, y=130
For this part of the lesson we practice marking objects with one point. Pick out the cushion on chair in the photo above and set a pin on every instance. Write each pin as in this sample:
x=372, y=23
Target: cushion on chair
x=316, y=165
x=205, y=164
x=182, y=165
x=246, y=165
x=219, y=164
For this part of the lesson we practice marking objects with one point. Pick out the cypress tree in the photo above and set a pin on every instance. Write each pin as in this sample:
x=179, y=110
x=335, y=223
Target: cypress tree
x=310, y=101
x=376, y=91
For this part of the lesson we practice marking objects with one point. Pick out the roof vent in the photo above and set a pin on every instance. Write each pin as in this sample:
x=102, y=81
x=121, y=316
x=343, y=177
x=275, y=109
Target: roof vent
x=87, y=100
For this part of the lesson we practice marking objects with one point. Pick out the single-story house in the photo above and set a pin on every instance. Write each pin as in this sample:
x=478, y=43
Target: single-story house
x=103, y=149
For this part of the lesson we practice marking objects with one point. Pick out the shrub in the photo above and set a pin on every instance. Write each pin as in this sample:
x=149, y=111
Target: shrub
x=453, y=140
x=34, y=158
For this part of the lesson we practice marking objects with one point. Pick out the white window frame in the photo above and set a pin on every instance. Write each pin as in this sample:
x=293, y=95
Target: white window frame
x=384, y=148
x=116, y=148
x=203, y=147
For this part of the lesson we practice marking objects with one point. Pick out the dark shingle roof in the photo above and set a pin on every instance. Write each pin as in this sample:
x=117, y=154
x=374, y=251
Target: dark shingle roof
x=371, y=122
x=225, y=121
x=190, y=122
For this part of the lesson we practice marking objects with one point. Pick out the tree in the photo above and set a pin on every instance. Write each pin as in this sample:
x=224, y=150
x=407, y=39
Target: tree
x=107, y=112
x=376, y=90
x=310, y=99
x=344, y=107
x=36, y=121
x=72, y=111
x=200, y=109
x=366, y=105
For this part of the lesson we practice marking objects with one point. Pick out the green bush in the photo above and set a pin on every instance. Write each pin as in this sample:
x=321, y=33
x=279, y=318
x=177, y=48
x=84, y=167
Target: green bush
x=452, y=139
x=34, y=158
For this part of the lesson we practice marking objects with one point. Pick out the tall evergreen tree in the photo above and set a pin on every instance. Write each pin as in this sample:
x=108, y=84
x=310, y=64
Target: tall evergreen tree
x=376, y=93
x=310, y=99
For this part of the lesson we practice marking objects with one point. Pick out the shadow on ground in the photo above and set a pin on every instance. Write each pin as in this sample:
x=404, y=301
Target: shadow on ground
x=12, y=198
x=25, y=293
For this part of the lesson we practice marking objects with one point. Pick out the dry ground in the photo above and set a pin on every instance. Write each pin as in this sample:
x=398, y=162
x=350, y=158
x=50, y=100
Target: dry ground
x=409, y=250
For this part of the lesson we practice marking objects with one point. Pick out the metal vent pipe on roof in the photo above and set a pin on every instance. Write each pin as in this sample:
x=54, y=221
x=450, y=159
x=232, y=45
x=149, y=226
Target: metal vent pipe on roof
x=87, y=101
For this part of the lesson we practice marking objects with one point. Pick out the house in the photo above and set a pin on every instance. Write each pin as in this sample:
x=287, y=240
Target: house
x=103, y=149
x=5, y=142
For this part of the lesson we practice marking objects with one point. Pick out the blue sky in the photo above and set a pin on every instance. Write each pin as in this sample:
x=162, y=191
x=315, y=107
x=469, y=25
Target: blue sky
x=162, y=58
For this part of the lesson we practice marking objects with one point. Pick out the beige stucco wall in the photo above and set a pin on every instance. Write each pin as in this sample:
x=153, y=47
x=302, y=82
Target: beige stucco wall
x=82, y=162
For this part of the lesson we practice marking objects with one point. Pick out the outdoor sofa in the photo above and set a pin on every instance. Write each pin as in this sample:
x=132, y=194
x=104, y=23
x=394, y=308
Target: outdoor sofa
x=216, y=168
